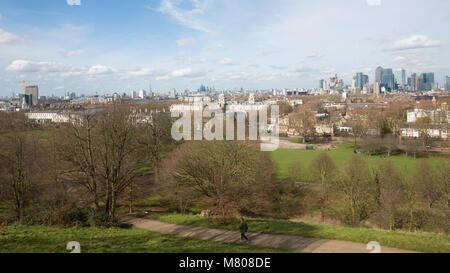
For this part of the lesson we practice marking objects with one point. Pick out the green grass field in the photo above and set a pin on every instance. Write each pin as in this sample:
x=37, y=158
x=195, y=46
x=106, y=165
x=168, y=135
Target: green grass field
x=21, y=239
x=283, y=158
x=418, y=242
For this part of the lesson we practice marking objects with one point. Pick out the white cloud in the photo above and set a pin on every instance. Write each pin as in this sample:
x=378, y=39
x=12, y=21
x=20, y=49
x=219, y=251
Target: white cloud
x=22, y=66
x=182, y=72
x=218, y=47
x=373, y=2
x=147, y=72
x=239, y=76
x=227, y=61
x=266, y=53
x=9, y=38
x=187, y=72
x=314, y=55
x=160, y=78
x=414, y=61
x=416, y=41
x=30, y=66
x=277, y=67
x=188, y=18
x=72, y=53
x=185, y=41
x=399, y=59
x=142, y=72
x=100, y=69
x=327, y=71
x=74, y=2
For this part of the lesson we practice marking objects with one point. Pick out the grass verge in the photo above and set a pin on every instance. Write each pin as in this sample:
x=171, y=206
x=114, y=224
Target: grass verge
x=37, y=239
x=417, y=242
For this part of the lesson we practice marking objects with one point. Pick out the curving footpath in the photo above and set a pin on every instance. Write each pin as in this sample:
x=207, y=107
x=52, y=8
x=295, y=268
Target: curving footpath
x=293, y=243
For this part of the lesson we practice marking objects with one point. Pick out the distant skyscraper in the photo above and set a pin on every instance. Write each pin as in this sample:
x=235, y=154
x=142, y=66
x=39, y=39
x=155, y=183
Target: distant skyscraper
x=447, y=83
x=365, y=80
x=414, y=82
x=400, y=76
x=25, y=100
x=376, y=88
x=359, y=80
x=387, y=79
x=34, y=91
x=427, y=81
x=142, y=94
x=321, y=84
x=379, y=74
x=173, y=93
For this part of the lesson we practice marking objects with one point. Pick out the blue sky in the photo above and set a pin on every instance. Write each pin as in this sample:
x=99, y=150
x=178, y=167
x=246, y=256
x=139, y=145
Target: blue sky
x=88, y=46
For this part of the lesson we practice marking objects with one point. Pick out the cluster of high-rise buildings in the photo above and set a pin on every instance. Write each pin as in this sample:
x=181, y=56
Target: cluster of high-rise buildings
x=386, y=80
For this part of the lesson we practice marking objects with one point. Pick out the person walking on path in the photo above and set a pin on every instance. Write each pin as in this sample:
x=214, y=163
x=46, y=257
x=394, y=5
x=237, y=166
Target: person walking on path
x=243, y=228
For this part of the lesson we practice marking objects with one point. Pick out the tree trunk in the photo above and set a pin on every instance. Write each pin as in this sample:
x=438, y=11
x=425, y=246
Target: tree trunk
x=131, y=198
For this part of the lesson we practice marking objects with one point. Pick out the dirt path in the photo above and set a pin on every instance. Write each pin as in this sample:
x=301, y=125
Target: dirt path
x=287, y=145
x=286, y=242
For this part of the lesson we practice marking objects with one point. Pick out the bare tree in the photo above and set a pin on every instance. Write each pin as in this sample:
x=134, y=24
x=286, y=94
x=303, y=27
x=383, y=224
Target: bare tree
x=355, y=185
x=285, y=108
x=390, y=144
x=79, y=147
x=396, y=117
x=229, y=174
x=155, y=136
x=427, y=180
x=360, y=124
x=443, y=176
x=323, y=171
x=117, y=151
x=303, y=122
x=391, y=193
x=101, y=150
x=423, y=125
x=20, y=168
x=412, y=146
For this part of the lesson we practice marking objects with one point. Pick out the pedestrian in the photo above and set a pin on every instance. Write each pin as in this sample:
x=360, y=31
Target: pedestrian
x=243, y=228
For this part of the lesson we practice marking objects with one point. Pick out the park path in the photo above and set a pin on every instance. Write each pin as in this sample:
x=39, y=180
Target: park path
x=293, y=243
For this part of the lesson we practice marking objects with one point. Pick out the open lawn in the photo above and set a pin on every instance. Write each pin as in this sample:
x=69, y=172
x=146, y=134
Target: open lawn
x=417, y=242
x=283, y=158
x=36, y=239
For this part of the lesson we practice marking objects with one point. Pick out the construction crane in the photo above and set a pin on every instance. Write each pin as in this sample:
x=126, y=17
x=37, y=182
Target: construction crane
x=24, y=84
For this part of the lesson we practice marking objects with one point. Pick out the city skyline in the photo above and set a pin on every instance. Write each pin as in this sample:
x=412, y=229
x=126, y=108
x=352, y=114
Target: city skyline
x=87, y=46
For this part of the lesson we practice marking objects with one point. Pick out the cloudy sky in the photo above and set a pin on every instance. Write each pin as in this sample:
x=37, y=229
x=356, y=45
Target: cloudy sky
x=86, y=46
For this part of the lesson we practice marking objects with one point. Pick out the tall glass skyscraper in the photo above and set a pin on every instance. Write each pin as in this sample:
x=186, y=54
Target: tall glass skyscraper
x=427, y=81
x=387, y=79
x=400, y=76
x=359, y=80
x=378, y=74
x=414, y=82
